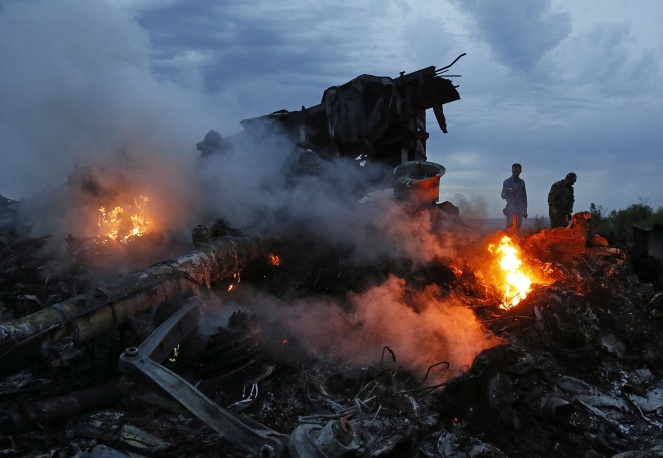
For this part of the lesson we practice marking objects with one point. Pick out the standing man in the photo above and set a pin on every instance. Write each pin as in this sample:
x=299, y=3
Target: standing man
x=513, y=190
x=560, y=201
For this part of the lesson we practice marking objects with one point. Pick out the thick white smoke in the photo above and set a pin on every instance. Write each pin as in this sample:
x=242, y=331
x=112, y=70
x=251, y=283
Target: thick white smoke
x=76, y=85
x=92, y=108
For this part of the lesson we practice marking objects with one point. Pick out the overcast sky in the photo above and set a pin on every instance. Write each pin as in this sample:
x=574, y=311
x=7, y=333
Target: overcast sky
x=557, y=85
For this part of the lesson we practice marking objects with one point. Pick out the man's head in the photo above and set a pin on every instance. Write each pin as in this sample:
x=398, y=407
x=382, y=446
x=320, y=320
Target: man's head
x=516, y=169
x=571, y=178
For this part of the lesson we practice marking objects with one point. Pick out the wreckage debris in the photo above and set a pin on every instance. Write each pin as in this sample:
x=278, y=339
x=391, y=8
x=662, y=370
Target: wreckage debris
x=570, y=366
x=55, y=332
x=145, y=366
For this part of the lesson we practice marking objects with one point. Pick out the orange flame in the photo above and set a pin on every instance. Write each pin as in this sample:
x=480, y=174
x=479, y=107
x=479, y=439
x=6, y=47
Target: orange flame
x=113, y=226
x=109, y=222
x=275, y=260
x=517, y=284
x=236, y=279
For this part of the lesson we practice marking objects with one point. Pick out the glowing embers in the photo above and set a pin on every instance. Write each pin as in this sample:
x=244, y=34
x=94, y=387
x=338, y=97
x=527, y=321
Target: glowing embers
x=114, y=225
x=517, y=284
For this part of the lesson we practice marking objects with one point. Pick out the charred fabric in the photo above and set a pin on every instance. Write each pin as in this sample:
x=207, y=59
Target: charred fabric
x=124, y=368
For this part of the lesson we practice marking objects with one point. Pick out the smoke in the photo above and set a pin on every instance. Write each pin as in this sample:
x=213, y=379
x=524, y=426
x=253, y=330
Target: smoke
x=249, y=190
x=76, y=85
x=71, y=102
x=122, y=180
x=86, y=124
x=475, y=207
x=343, y=203
x=420, y=328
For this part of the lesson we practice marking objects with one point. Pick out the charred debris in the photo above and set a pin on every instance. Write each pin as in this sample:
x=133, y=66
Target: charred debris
x=142, y=363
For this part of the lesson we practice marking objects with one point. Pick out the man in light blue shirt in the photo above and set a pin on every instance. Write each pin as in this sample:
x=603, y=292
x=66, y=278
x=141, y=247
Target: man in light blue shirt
x=513, y=190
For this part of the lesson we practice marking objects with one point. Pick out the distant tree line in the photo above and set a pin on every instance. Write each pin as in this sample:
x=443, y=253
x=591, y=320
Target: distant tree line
x=617, y=224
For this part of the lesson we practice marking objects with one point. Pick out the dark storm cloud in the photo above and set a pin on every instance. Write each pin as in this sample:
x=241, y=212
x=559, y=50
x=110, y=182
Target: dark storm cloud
x=242, y=41
x=606, y=62
x=578, y=90
x=520, y=32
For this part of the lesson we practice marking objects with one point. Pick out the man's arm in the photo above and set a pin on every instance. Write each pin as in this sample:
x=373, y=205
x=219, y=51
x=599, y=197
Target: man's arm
x=552, y=195
x=569, y=204
x=507, y=190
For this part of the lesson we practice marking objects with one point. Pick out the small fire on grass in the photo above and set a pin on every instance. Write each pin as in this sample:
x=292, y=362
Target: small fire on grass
x=517, y=284
x=114, y=225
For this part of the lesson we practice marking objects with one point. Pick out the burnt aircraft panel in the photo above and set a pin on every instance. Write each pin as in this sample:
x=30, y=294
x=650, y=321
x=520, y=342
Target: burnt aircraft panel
x=382, y=119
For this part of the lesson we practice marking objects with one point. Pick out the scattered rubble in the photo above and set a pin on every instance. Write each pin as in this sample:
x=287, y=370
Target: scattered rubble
x=577, y=369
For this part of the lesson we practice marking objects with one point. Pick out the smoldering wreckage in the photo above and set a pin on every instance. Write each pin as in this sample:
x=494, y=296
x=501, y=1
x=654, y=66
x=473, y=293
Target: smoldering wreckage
x=554, y=346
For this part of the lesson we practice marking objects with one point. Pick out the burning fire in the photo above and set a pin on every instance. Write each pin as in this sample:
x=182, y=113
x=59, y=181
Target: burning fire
x=275, y=260
x=235, y=281
x=517, y=283
x=113, y=226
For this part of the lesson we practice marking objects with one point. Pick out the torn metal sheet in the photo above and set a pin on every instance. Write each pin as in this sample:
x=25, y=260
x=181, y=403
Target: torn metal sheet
x=378, y=118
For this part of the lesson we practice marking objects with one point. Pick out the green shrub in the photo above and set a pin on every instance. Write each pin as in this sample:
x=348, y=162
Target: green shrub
x=616, y=225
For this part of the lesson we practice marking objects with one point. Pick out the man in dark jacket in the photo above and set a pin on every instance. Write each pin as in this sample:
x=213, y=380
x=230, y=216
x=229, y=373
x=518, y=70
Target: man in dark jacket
x=515, y=194
x=560, y=201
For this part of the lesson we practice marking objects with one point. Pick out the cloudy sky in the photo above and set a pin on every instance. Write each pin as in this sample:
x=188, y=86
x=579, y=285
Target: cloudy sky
x=557, y=85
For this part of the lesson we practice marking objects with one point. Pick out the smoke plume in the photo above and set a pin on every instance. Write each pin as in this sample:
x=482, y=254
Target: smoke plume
x=89, y=126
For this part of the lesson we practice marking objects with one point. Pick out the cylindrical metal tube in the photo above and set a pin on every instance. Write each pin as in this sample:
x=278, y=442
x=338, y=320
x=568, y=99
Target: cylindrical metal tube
x=43, y=334
x=54, y=410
